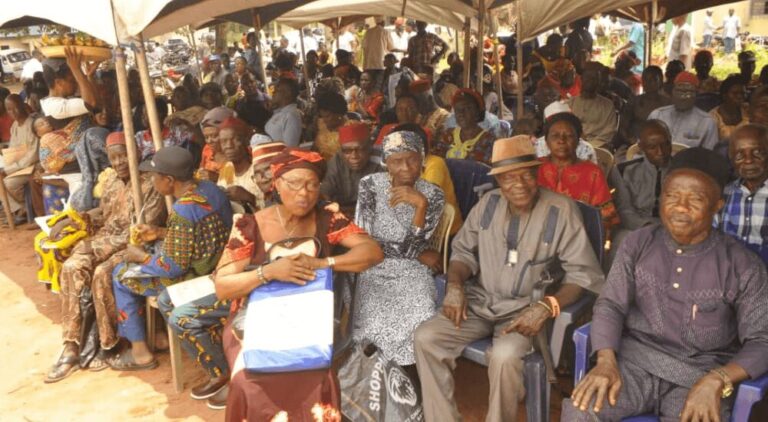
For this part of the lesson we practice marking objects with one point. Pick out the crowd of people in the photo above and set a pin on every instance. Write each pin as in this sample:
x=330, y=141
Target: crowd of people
x=358, y=160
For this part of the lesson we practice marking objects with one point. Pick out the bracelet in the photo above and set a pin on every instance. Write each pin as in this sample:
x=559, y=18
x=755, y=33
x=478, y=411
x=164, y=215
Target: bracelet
x=260, y=275
x=147, y=258
x=546, y=306
x=331, y=261
x=554, y=304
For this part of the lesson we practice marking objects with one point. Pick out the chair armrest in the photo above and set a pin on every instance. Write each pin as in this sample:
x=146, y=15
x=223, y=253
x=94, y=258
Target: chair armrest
x=748, y=393
x=581, y=339
x=440, y=285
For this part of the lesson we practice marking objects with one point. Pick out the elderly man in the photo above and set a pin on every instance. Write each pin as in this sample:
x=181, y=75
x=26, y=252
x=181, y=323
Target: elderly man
x=683, y=316
x=506, y=242
x=596, y=112
x=94, y=258
x=746, y=199
x=348, y=166
x=690, y=125
x=639, y=187
x=21, y=154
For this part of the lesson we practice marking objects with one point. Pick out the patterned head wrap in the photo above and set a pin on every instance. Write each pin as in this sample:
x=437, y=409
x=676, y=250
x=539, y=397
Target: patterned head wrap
x=402, y=141
x=296, y=158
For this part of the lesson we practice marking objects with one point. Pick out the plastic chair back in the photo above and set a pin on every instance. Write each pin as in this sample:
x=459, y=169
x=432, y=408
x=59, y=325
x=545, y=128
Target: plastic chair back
x=604, y=159
x=439, y=240
x=466, y=175
x=593, y=225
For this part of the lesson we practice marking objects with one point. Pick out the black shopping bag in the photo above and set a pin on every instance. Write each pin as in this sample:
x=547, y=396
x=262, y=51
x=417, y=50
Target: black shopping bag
x=374, y=389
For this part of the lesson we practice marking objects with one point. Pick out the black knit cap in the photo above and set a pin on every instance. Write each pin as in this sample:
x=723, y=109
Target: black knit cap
x=704, y=160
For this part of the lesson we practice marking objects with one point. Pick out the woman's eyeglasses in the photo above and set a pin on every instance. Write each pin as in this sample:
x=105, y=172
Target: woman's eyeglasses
x=297, y=185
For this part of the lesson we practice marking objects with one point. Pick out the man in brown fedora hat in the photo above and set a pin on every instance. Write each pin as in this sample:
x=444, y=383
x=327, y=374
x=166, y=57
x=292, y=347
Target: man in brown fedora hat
x=509, y=238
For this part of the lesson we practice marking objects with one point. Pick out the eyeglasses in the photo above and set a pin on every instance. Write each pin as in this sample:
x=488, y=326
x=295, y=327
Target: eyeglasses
x=684, y=93
x=297, y=185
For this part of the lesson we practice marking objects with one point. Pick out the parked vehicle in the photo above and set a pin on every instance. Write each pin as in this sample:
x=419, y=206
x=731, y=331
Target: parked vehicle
x=12, y=62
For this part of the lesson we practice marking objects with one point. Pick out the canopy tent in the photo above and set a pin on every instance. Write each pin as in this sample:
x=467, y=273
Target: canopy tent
x=667, y=9
x=92, y=17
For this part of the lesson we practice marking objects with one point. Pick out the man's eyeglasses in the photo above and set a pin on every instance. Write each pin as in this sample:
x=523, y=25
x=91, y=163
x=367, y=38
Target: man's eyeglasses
x=297, y=185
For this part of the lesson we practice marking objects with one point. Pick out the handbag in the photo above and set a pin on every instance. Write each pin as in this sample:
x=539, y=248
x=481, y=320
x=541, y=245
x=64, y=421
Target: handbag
x=307, y=245
x=375, y=389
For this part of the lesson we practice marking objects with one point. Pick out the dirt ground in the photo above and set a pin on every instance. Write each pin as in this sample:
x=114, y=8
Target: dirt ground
x=30, y=341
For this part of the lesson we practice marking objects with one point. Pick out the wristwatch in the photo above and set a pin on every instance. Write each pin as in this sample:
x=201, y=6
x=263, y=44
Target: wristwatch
x=727, y=384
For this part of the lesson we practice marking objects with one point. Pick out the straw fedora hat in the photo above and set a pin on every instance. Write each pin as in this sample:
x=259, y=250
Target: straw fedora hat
x=513, y=153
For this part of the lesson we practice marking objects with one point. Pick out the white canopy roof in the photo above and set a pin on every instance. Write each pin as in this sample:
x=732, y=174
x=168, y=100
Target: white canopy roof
x=91, y=16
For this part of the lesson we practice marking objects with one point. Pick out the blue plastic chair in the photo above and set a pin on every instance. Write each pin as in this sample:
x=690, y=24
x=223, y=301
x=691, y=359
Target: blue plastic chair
x=748, y=393
x=466, y=176
x=537, y=387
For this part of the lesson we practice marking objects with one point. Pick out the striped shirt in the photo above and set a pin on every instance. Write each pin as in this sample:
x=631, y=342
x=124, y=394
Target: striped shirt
x=745, y=216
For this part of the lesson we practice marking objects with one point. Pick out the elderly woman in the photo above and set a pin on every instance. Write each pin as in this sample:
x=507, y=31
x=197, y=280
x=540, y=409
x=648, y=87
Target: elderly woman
x=563, y=172
x=733, y=111
x=332, y=111
x=236, y=176
x=401, y=211
x=297, y=175
x=213, y=156
x=468, y=140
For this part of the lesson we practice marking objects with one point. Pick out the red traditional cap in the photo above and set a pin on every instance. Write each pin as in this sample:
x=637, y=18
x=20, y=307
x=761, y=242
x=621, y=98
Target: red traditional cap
x=687, y=78
x=266, y=152
x=419, y=86
x=354, y=132
x=116, y=138
x=472, y=93
x=239, y=126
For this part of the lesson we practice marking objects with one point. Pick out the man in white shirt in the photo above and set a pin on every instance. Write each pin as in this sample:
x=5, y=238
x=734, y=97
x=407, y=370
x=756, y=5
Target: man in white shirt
x=709, y=30
x=731, y=27
x=348, y=40
x=64, y=79
x=32, y=66
x=681, y=42
x=400, y=38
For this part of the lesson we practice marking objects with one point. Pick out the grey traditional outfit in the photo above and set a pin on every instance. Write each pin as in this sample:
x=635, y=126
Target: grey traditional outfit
x=598, y=116
x=675, y=312
x=694, y=128
x=553, y=228
x=397, y=295
x=638, y=191
x=341, y=183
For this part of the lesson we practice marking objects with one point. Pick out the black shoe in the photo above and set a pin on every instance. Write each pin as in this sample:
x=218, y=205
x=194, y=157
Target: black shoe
x=219, y=400
x=209, y=388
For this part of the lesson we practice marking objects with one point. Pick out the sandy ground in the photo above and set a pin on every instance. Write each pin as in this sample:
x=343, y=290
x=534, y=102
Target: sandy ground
x=30, y=341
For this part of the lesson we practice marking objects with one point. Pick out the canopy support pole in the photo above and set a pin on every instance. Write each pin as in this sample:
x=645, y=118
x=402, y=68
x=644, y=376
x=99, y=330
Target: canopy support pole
x=304, y=64
x=519, y=60
x=497, y=68
x=480, y=36
x=467, y=52
x=130, y=143
x=149, y=103
x=651, y=25
x=402, y=12
x=259, y=50
x=197, y=54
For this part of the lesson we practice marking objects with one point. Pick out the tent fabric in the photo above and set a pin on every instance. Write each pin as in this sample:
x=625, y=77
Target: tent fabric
x=93, y=17
x=449, y=13
x=206, y=10
x=667, y=9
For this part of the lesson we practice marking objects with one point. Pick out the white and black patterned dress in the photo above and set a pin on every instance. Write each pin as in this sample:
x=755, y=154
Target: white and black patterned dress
x=394, y=297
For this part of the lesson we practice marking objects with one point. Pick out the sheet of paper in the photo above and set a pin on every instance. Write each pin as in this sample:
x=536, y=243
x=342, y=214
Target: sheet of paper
x=290, y=322
x=187, y=291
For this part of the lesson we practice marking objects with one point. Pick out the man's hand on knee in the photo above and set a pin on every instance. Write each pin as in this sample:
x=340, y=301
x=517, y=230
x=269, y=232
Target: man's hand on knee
x=703, y=401
x=455, y=304
x=604, y=379
x=529, y=322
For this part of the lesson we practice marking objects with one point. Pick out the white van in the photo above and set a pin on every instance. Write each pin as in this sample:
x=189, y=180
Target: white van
x=12, y=61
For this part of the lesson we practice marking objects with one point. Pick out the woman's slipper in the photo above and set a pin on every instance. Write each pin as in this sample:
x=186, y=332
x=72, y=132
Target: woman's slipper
x=124, y=361
x=63, y=367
